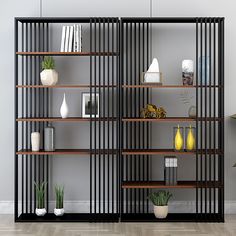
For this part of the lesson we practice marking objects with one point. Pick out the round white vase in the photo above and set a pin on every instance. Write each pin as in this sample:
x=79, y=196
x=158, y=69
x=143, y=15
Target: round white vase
x=40, y=211
x=49, y=77
x=59, y=211
x=35, y=141
x=64, y=108
x=160, y=211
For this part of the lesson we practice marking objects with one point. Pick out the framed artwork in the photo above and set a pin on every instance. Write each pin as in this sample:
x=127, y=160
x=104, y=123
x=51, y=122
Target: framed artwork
x=90, y=105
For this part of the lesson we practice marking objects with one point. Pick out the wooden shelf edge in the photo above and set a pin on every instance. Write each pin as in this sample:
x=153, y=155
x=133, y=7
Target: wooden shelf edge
x=68, y=53
x=66, y=152
x=66, y=86
x=161, y=184
x=69, y=119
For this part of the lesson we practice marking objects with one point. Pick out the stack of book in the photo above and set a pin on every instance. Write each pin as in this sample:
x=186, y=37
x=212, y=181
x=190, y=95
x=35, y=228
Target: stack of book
x=170, y=170
x=71, y=38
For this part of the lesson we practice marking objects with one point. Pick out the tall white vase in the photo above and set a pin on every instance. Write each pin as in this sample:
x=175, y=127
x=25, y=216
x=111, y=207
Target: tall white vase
x=64, y=108
x=35, y=141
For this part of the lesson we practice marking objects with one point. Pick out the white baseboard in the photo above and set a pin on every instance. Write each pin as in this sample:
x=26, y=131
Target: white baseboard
x=7, y=207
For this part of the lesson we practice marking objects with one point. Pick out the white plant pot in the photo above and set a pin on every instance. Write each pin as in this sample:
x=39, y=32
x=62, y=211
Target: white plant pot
x=40, y=211
x=160, y=211
x=35, y=141
x=59, y=212
x=49, y=77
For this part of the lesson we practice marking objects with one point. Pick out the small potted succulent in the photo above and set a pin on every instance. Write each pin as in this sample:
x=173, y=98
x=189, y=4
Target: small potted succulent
x=160, y=201
x=40, y=198
x=59, y=210
x=48, y=76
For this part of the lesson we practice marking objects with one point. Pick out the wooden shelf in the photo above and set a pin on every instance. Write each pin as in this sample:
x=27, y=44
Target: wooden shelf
x=167, y=152
x=169, y=119
x=67, y=152
x=155, y=152
x=67, y=53
x=69, y=119
x=161, y=184
x=168, y=86
x=66, y=86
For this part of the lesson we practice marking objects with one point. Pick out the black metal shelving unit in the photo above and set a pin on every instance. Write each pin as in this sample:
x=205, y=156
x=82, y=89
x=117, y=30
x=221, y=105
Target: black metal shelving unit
x=120, y=151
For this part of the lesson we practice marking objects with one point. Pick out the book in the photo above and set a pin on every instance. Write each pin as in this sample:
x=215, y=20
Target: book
x=80, y=38
x=70, y=43
x=75, y=44
x=67, y=39
x=167, y=171
x=63, y=35
x=175, y=166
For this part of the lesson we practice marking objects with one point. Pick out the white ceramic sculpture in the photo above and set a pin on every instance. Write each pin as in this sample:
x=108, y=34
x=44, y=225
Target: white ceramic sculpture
x=49, y=77
x=64, y=108
x=35, y=141
x=153, y=73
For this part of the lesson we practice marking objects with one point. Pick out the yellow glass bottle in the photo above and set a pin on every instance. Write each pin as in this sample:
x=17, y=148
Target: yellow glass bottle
x=190, y=143
x=178, y=140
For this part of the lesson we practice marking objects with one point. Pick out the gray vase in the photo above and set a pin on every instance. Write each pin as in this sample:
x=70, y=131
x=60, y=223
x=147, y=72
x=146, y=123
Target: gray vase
x=49, y=138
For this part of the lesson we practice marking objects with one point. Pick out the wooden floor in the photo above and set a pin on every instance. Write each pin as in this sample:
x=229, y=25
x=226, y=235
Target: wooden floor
x=8, y=228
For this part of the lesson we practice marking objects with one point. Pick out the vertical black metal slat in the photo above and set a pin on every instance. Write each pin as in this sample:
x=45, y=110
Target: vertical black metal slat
x=219, y=116
x=210, y=131
x=135, y=115
x=147, y=128
x=139, y=106
x=23, y=123
x=103, y=116
x=197, y=120
x=131, y=115
x=143, y=123
x=214, y=115
x=16, y=191
x=95, y=126
x=27, y=125
x=222, y=117
x=47, y=115
x=201, y=117
x=126, y=115
x=99, y=116
x=205, y=119
x=30, y=115
x=39, y=98
x=108, y=119
x=118, y=114
x=90, y=122
x=112, y=119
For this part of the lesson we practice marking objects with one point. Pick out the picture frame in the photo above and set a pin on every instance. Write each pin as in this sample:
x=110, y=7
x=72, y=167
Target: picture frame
x=86, y=103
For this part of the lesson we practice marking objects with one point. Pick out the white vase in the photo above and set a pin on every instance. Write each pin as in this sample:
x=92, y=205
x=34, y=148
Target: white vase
x=64, y=108
x=40, y=211
x=160, y=211
x=49, y=77
x=35, y=141
x=59, y=211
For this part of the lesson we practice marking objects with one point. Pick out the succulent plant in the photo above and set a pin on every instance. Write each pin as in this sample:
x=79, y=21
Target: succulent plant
x=48, y=63
x=160, y=198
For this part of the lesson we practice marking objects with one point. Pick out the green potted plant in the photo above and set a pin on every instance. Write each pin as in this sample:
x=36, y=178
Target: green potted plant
x=48, y=76
x=40, y=198
x=160, y=201
x=59, y=210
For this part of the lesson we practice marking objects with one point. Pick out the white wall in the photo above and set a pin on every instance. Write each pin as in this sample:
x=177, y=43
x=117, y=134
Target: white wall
x=12, y=8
